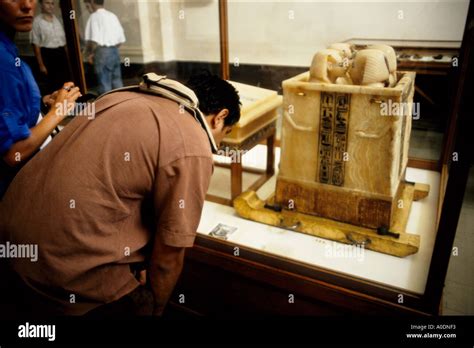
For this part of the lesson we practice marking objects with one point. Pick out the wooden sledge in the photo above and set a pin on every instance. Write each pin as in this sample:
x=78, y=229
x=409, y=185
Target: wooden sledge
x=395, y=241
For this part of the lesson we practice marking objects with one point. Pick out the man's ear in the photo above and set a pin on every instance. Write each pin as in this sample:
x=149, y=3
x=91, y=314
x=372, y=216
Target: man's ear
x=219, y=118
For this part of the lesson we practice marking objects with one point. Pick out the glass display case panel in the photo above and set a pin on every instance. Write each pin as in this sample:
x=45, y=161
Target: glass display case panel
x=274, y=48
x=279, y=39
x=165, y=37
x=44, y=49
x=270, y=56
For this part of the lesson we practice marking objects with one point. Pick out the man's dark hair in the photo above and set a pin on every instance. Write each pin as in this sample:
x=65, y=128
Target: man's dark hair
x=215, y=94
x=97, y=2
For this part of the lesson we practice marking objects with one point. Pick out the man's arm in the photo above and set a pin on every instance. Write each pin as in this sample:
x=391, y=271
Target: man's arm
x=23, y=149
x=90, y=51
x=164, y=270
x=35, y=38
x=39, y=59
x=180, y=189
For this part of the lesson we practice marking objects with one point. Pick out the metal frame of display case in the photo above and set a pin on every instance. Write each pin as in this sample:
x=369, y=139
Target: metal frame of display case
x=457, y=139
x=259, y=282
x=69, y=14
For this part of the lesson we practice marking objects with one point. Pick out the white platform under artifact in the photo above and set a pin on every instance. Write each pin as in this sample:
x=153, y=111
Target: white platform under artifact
x=409, y=273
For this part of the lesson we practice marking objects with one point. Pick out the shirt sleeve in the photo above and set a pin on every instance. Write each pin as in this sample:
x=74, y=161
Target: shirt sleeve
x=61, y=34
x=121, y=37
x=180, y=189
x=13, y=126
x=88, y=30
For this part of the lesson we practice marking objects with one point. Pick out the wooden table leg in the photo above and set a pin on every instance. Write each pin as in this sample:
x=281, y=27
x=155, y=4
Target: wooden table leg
x=235, y=178
x=271, y=154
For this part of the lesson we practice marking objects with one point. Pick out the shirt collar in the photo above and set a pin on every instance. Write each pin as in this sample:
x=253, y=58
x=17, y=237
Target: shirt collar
x=202, y=120
x=191, y=103
x=53, y=17
x=9, y=44
x=151, y=82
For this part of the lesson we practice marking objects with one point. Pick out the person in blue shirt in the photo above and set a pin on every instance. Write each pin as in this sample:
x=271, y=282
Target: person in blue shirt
x=22, y=130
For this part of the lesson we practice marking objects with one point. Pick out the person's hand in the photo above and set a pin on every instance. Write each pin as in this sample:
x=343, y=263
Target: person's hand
x=49, y=99
x=43, y=69
x=65, y=99
x=142, y=277
x=90, y=59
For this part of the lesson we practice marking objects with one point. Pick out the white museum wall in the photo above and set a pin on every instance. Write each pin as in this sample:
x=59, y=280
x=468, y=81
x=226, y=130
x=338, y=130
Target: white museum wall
x=268, y=35
x=275, y=32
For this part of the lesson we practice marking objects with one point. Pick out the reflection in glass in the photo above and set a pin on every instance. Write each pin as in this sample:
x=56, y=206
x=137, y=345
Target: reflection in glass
x=49, y=46
x=44, y=48
x=271, y=41
x=165, y=37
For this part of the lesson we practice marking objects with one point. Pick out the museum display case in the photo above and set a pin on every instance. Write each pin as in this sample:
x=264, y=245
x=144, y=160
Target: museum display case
x=166, y=37
x=245, y=264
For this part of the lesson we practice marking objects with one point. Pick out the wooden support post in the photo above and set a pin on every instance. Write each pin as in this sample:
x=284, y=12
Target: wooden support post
x=271, y=154
x=421, y=191
x=235, y=179
x=224, y=39
x=249, y=206
x=69, y=15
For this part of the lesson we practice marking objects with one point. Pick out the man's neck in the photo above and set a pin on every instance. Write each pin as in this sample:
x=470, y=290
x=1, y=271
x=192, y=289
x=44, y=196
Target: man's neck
x=48, y=16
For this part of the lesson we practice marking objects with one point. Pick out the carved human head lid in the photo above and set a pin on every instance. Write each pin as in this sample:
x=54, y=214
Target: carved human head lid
x=327, y=66
x=345, y=48
x=370, y=68
x=391, y=57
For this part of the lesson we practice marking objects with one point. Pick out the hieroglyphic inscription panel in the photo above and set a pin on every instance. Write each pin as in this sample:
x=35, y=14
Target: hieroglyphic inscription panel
x=334, y=124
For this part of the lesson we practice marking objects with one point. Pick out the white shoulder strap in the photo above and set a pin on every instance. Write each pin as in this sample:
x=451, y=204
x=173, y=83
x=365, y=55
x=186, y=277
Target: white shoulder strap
x=173, y=90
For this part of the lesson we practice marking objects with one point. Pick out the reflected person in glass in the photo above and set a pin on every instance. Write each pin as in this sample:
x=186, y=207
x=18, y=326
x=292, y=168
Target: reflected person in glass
x=49, y=45
x=104, y=34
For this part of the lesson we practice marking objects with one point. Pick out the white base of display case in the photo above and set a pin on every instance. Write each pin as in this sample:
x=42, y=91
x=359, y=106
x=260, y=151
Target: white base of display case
x=409, y=273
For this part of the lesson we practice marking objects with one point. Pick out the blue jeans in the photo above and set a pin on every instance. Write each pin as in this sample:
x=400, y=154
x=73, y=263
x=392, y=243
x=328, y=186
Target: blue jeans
x=107, y=68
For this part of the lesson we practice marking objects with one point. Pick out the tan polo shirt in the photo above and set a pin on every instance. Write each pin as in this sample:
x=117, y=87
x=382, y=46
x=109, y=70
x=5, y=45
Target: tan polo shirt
x=101, y=191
